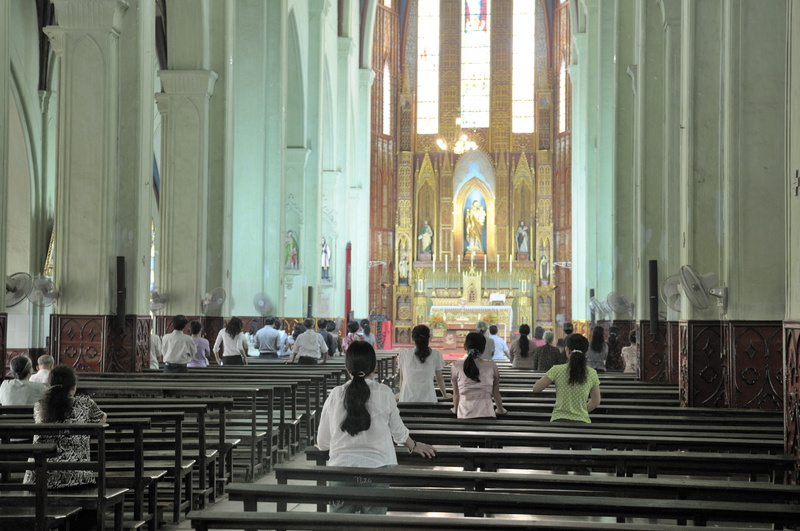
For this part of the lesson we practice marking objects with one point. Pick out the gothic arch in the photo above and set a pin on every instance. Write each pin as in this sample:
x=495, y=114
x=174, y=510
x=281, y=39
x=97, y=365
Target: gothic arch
x=474, y=171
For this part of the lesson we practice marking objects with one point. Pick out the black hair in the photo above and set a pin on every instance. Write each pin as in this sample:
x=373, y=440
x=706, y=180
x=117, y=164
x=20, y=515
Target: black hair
x=269, y=320
x=21, y=366
x=179, y=322
x=195, y=327
x=421, y=336
x=298, y=329
x=568, y=329
x=360, y=362
x=352, y=327
x=321, y=324
x=598, y=339
x=277, y=325
x=254, y=327
x=330, y=326
x=56, y=404
x=235, y=326
x=561, y=342
x=366, y=330
x=493, y=330
x=474, y=344
x=577, y=345
x=524, y=342
x=308, y=323
x=364, y=322
x=632, y=336
x=538, y=333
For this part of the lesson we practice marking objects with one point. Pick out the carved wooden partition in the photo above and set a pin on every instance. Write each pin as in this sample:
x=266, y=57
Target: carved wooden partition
x=659, y=352
x=94, y=343
x=731, y=364
x=791, y=363
x=3, y=321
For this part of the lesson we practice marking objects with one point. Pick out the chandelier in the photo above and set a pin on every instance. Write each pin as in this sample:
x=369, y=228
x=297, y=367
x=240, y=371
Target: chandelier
x=461, y=144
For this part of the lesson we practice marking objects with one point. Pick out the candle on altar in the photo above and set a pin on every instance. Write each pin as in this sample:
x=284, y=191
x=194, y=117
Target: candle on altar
x=498, y=262
x=510, y=263
x=434, y=263
x=459, y=263
x=445, y=263
x=472, y=259
x=485, y=259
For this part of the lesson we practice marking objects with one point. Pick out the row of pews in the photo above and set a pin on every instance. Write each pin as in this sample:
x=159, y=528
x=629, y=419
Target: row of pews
x=655, y=466
x=171, y=443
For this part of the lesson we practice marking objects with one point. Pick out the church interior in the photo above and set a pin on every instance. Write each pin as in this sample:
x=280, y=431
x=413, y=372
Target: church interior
x=632, y=164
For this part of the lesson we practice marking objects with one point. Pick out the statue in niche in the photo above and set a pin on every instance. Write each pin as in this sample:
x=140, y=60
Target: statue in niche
x=325, y=260
x=522, y=238
x=544, y=270
x=290, y=254
x=475, y=219
x=402, y=269
x=425, y=240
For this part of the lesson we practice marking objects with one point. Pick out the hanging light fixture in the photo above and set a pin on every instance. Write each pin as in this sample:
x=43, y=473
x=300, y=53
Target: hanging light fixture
x=460, y=144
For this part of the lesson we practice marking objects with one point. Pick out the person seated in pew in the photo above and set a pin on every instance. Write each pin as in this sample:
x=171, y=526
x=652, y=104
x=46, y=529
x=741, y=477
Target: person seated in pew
x=359, y=423
x=234, y=348
x=282, y=337
x=418, y=367
x=521, y=349
x=598, y=350
x=60, y=404
x=200, y=358
x=332, y=329
x=500, y=347
x=574, y=382
x=44, y=364
x=352, y=335
x=20, y=391
x=547, y=355
x=250, y=337
x=476, y=381
x=292, y=339
x=538, y=336
x=630, y=355
x=177, y=348
x=482, y=328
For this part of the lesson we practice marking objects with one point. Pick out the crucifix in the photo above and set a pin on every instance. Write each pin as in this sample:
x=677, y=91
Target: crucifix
x=796, y=182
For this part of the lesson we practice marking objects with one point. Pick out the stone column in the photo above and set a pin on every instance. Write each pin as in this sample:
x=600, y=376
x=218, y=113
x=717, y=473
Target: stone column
x=5, y=75
x=86, y=40
x=184, y=108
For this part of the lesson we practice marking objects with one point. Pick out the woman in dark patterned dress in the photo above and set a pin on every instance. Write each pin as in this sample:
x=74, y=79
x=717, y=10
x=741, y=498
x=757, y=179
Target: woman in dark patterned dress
x=61, y=405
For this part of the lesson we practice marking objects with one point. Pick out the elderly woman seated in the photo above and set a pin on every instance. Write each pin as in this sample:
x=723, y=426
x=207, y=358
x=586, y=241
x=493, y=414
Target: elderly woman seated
x=21, y=391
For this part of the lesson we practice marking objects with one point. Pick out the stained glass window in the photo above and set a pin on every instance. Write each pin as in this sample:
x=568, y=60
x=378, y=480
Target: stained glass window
x=387, y=100
x=562, y=98
x=152, y=255
x=428, y=67
x=475, y=58
x=524, y=66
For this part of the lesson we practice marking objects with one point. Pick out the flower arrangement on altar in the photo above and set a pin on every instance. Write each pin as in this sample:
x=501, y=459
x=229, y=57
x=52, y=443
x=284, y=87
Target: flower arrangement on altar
x=437, y=321
x=490, y=319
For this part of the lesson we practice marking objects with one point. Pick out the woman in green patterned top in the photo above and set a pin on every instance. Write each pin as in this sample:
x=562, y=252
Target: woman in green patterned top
x=577, y=391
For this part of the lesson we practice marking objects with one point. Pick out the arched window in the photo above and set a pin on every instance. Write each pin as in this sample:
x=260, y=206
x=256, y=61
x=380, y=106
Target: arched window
x=428, y=67
x=524, y=66
x=475, y=63
x=387, y=100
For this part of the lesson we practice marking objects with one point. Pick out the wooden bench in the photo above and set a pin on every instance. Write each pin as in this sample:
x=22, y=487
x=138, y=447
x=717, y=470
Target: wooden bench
x=623, y=463
x=99, y=497
x=303, y=521
x=472, y=503
x=15, y=511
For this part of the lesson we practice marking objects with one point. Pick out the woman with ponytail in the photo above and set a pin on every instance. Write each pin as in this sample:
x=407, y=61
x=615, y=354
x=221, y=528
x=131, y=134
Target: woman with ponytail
x=418, y=367
x=577, y=391
x=476, y=381
x=521, y=349
x=360, y=420
x=60, y=404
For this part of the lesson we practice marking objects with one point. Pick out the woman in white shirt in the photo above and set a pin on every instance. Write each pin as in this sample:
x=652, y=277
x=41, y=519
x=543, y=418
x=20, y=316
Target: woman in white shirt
x=360, y=424
x=418, y=367
x=233, y=343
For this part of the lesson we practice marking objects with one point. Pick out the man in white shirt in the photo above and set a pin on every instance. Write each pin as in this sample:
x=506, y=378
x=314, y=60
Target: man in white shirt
x=500, y=347
x=45, y=365
x=155, y=351
x=309, y=348
x=177, y=348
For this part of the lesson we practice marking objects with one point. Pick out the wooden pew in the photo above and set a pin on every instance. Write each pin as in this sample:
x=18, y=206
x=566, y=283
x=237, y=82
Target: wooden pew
x=99, y=497
x=15, y=510
x=472, y=503
x=654, y=464
x=302, y=521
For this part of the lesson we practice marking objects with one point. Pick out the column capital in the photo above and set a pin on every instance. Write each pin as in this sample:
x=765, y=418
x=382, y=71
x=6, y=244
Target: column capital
x=365, y=77
x=346, y=48
x=90, y=14
x=188, y=82
x=319, y=7
x=45, y=101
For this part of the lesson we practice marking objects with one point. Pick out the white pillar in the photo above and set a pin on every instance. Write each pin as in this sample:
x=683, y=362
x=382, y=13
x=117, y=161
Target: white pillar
x=86, y=40
x=5, y=85
x=184, y=108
